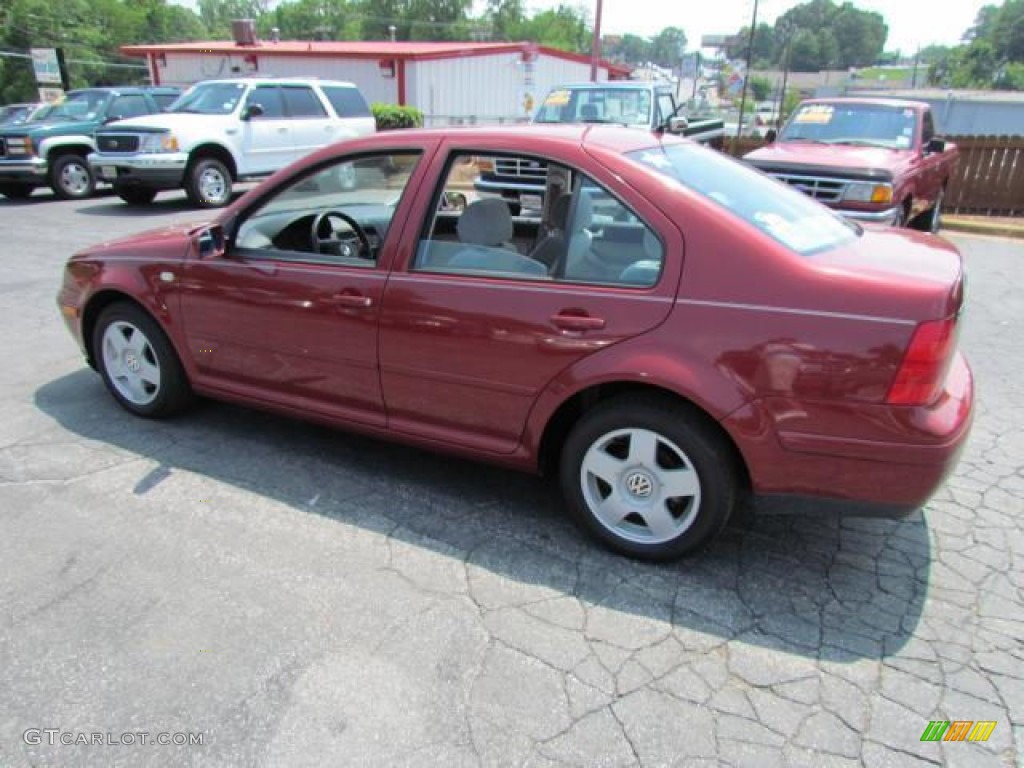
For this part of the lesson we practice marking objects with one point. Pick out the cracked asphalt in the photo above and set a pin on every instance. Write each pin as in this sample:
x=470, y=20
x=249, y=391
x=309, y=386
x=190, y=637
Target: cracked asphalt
x=305, y=597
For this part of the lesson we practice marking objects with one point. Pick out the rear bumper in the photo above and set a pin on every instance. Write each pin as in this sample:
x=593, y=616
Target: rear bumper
x=155, y=171
x=887, y=476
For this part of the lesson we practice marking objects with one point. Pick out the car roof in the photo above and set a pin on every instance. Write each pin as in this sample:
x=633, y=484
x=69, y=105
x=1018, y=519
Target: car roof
x=875, y=101
x=128, y=90
x=616, y=138
x=278, y=81
x=614, y=84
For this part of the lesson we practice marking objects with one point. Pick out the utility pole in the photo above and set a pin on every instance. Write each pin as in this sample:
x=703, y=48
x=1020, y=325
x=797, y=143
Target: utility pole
x=595, y=46
x=746, y=79
x=917, y=58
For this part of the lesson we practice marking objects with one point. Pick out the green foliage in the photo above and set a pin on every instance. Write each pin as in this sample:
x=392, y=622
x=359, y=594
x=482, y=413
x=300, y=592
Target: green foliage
x=665, y=49
x=391, y=117
x=820, y=34
x=565, y=27
x=760, y=87
x=90, y=32
x=993, y=57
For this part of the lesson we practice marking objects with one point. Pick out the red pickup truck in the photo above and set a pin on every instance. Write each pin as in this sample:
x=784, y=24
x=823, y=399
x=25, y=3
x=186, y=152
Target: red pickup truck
x=878, y=161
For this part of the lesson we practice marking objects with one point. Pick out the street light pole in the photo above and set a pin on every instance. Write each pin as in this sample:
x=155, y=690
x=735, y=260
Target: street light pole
x=595, y=46
x=746, y=80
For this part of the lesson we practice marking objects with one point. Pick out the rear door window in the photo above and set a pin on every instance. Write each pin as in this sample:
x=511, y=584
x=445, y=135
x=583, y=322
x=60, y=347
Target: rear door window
x=347, y=102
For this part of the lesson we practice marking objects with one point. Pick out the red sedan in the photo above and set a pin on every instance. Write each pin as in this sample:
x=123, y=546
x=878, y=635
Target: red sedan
x=671, y=330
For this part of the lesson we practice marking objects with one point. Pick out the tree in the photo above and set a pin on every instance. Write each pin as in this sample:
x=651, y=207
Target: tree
x=668, y=47
x=565, y=27
x=313, y=20
x=505, y=17
x=824, y=35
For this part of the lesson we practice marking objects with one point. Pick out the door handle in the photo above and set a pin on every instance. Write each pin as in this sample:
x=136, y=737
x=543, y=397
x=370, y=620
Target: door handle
x=577, y=322
x=356, y=300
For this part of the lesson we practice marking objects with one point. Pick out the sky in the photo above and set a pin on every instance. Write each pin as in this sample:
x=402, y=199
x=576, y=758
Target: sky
x=911, y=22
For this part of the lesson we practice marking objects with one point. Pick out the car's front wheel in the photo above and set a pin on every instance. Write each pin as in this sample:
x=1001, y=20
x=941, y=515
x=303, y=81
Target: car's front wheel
x=71, y=178
x=136, y=195
x=648, y=477
x=138, y=363
x=208, y=183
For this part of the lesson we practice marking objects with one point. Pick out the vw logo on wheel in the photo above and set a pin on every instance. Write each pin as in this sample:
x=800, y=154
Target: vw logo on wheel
x=639, y=485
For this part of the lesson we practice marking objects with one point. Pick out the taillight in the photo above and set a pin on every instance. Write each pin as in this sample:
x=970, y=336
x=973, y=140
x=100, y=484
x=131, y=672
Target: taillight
x=920, y=376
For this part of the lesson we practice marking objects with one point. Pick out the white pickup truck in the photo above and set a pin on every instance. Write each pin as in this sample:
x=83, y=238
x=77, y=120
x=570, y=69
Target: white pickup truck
x=223, y=131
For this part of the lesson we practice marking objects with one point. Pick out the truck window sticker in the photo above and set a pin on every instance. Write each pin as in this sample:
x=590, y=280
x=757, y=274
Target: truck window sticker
x=557, y=99
x=903, y=142
x=820, y=114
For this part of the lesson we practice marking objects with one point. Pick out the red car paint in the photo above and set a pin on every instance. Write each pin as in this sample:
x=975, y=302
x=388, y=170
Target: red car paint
x=793, y=356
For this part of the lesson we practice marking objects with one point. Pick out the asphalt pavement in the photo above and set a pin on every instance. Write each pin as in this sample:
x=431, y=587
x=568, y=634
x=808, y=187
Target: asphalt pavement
x=259, y=591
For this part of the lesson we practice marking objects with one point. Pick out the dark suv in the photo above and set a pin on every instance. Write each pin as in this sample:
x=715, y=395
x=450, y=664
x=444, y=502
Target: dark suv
x=52, y=150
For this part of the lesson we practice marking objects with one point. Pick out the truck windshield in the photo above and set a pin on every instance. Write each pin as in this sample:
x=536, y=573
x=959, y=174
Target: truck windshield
x=625, y=106
x=210, y=99
x=875, y=125
x=81, y=105
x=776, y=209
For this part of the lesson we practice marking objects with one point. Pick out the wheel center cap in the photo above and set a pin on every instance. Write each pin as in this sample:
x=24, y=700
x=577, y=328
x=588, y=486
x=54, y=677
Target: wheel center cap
x=639, y=485
x=133, y=363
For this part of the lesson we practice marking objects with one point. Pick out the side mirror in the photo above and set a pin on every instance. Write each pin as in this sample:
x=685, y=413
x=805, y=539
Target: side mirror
x=211, y=242
x=678, y=124
x=770, y=136
x=251, y=111
x=935, y=145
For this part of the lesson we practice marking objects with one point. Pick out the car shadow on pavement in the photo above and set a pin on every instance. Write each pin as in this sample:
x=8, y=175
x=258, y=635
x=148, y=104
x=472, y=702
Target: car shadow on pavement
x=819, y=587
x=177, y=204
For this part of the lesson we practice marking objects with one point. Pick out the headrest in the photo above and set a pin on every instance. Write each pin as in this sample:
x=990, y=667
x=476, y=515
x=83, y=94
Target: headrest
x=486, y=222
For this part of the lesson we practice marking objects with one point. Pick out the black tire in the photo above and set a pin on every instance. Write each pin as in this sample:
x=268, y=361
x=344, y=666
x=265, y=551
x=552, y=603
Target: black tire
x=136, y=195
x=933, y=221
x=686, y=448
x=146, y=343
x=71, y=178
x=15, y=191
x=208, y=183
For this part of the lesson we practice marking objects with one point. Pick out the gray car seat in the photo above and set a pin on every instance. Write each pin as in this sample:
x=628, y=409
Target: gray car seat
x=486, y=229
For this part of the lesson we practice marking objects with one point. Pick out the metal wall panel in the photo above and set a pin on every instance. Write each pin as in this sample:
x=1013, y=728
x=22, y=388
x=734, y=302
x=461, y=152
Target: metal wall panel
x=185, y=69
x=479, y=88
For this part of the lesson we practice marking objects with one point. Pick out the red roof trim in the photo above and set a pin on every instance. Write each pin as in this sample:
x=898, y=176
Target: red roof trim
x=412, y=51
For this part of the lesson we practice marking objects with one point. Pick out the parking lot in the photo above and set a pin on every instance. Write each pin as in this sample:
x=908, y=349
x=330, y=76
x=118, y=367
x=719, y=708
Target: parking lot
x=300, y=596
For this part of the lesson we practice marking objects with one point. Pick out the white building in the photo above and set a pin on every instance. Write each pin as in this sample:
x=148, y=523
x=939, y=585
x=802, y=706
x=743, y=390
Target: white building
x=450, y=82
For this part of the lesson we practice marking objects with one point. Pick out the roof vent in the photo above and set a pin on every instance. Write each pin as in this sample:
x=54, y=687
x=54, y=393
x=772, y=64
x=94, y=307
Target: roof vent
x=244, y=31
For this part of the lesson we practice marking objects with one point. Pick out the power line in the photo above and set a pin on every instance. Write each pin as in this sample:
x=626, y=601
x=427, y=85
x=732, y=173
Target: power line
x=89, y=62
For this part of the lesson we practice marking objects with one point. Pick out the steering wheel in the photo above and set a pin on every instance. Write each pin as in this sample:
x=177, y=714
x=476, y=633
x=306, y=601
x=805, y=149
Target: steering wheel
x=320, y=240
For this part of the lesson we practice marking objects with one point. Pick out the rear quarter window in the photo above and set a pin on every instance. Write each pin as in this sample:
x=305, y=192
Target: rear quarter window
x=347, y=102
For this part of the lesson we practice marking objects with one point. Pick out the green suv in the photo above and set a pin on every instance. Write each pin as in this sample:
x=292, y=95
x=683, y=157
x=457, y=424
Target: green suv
x=51, y=150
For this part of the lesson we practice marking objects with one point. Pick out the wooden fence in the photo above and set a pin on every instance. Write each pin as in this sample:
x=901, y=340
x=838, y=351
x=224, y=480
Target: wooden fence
x=988, y=181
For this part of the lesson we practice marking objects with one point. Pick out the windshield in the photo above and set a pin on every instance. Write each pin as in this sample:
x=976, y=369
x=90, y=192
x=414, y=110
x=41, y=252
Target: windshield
x=210, y=99
x=83, y=105
x=776, y=209
x=625, y=106
x=873, y=125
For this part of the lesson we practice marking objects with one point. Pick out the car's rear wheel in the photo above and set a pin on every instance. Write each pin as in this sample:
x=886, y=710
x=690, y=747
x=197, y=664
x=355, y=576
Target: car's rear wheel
x=648, y=477
x=138, y=363
x=136, y=195
x=208, y=183
x=71, y=178
x=16, y=191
